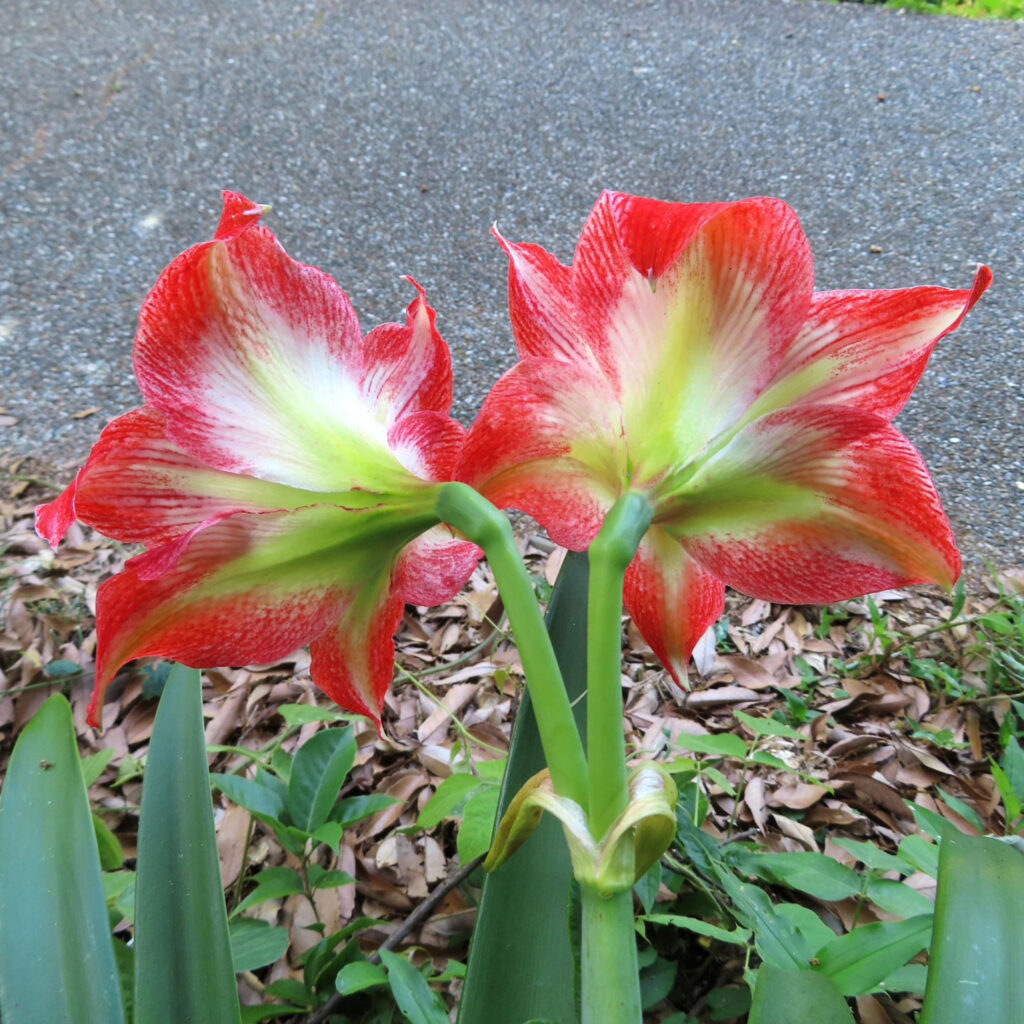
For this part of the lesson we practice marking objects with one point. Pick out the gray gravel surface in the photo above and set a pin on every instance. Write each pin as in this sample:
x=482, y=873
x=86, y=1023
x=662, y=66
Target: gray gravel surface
x=389, y=136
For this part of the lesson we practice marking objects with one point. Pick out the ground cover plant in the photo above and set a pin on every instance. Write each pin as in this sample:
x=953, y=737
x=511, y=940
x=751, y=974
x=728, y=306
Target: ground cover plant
x=840, y=695
x=687, y=411
x=1006, y=9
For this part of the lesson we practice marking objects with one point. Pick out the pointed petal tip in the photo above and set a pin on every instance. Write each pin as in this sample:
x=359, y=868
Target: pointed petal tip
x=94, y=713
x=412, y=280
x=238, y=214
x=983, y=278
x=54, y=518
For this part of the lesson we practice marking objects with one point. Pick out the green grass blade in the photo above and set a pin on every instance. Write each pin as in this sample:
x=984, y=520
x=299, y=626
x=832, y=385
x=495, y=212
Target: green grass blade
x=975, y=971
x=56, y=954
x=183, y=966
x=521, y=963
x=785, y=996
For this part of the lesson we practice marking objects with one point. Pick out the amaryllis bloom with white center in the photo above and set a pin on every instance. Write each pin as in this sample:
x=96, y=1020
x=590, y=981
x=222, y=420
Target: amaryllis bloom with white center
x=685, y=355
x=282, y=473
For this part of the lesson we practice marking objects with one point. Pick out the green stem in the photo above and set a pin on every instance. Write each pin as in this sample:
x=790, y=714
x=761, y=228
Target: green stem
x=609, y=969
x=610, y=975
x=473, y=515
x=610, y=555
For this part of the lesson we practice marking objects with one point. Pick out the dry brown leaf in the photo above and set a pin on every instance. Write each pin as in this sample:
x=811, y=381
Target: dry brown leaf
x=753, y=797
x=797, y=795
x=232, y=830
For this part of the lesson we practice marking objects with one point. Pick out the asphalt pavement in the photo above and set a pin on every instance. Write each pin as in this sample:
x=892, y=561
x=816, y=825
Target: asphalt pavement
x=390, y=136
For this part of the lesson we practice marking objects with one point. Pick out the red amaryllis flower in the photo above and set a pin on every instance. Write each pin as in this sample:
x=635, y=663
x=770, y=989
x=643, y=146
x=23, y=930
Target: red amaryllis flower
x=282, y=473
x=685, y=355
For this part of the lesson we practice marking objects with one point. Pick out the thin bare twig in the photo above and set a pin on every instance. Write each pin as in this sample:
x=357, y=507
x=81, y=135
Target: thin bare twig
x=409, y=925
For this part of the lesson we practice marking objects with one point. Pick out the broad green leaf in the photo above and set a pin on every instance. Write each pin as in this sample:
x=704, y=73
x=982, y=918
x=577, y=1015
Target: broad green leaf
x=797, y=997
x=281, y=764
x=776, y=939
x=477, y=826
x=318, y=772
x=411, y=991
x=111, y=854
x=276, y=783
x=726, y=744
x=292, y=990
x=329, y=833
x=928, y=821
x=962, y=808
x=358, y=976
x=522, y=964
x=447, y=797
x=656, y=981
x=353, y=809
x=910, y=978
x=94, y=765
x=56, y=956
x=183, y=966
x=861, y=959
x=493, y=770
x=805, y=922
x=251, y=795
x=1011, y=802
x=255, y=944
x=119, y=889
x=258, y=1014
x=920, y=854
x=1013, y=766
x=978, y=947
x=321, y=878
x=272, y=884
x=813, y=873
x=763, y=757
x=738, y=936
x=303, y=714
x=769, y=727
x=871, y=856
x=647, y=887
x=728, y=1002
x=898, y=898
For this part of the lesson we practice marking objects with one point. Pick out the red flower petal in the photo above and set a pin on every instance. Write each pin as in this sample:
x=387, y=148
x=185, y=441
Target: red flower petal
x=869, y=348
x=672, y=600
x=247, y=588
x=428, y=444
x=435, y=567
x=547, y=442
x=238, y=215
x=542, y=305
x=407, y=367
x=816, y=504
x=354, y=660
x=258, y=364
x=54, y=519
x=710, y=295
x=138, y=486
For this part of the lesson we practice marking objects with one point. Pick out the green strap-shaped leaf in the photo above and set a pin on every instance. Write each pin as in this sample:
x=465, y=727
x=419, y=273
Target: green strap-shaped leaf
x=797, y=997
x=183, y=966
x=56, y=955
x=976, y=967
x=521, y=962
